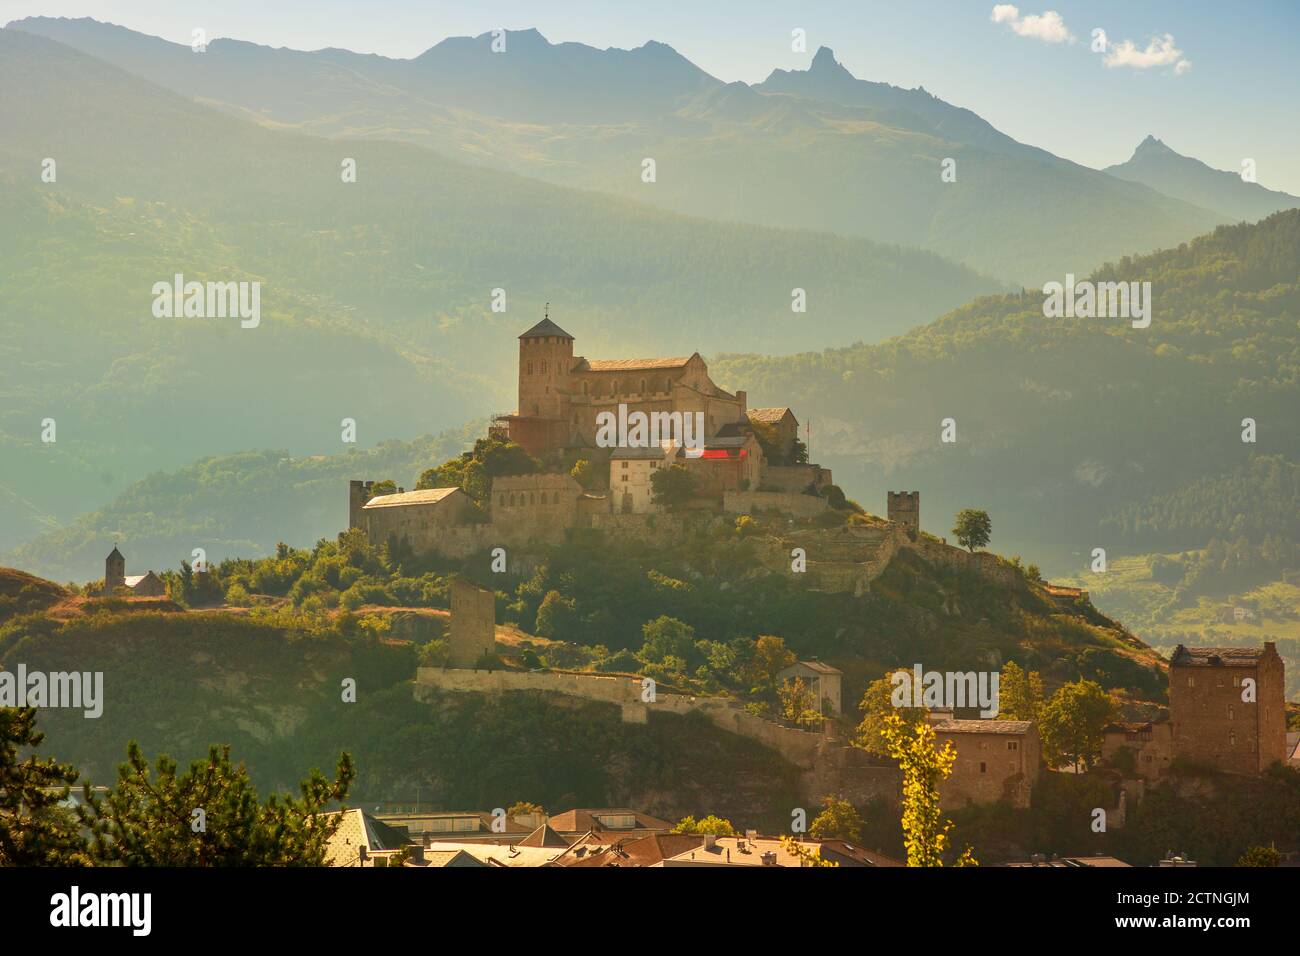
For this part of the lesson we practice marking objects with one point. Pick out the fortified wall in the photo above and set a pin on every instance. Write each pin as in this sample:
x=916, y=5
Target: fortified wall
x=829, y=765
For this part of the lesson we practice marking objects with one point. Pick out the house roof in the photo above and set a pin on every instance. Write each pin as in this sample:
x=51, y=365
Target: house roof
x=544, y=836
x=769, y=415
x=646, y=851
x=1216, y=656
x=850, y=854
x=579, y=820
x=957, y=726
x=131, y=580
x=429, y=496
x=632, y=364
x=821, y=667
x=359, y=829
x=653, y=453
x=544, y=328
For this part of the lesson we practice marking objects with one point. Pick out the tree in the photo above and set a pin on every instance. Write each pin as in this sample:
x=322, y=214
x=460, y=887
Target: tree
x=806, y=855
x=708, y=826
x=34, y=829
x=210, y=815
x=1261, y=856
x=1020, y=695
x=925, y=833
x=385, y=487
x=839, y=821
x=673, y=486
x=585, y=474
x=770, y=657
x=557, y=615
x=973, y=528
x=797, y=704
x=1072, y=723
x=666, y=637
x=877, y=704
x=521, y=807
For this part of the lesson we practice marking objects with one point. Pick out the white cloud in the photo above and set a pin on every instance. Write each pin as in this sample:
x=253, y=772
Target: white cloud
x=1160, y=51
x=1048, y=26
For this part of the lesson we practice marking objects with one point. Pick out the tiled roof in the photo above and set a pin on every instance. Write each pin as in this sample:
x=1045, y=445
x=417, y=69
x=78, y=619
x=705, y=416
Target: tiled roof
x=580, y=820
x=544, y=836
x=1216, y=656
x=770, y=415
x=632, y=365
x=954, y=726
x=429, y=496
x=544, y=328
x=646, y=851
x=850, y=854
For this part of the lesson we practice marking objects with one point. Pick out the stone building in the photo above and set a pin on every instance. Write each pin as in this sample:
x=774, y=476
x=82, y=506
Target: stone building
x=1213, y=721
x=785, y=428
x=822, y=679
x=630, y=471
x=414, y=519
x=560, y=394
x=473, y=624
x=548, y=499
x=996, y=759
x=904, y=507
x=140, y=585
x=1151, y=744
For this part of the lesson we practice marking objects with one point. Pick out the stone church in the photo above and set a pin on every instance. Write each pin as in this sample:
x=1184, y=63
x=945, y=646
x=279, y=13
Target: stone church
x=140, y=585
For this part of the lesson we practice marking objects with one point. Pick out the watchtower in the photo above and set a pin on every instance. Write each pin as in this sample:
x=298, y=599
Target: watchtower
x=904, y=507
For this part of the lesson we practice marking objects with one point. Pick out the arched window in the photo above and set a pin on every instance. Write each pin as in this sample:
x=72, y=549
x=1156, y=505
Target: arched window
x=530, y=366
x=557, y=498
x=503, y=501
x=531, y=499
x=643, y=386
x=613, y=388
x=584, y=387
x=512, y=500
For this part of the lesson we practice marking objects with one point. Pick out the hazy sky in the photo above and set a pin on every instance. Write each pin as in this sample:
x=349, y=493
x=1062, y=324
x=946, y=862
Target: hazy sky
x=1215, y=80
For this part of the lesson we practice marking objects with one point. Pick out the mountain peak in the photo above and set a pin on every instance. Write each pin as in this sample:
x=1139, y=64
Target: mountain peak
x=824, y=61
x=1151, y=146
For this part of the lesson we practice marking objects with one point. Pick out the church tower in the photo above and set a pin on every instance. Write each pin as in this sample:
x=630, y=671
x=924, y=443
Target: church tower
x=114, y=570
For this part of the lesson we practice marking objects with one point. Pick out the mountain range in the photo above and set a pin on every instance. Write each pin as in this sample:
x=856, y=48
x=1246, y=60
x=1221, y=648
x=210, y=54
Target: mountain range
x=815, y=149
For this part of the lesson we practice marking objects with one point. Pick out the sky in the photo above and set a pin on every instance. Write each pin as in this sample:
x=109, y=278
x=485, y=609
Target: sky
x=1216, y=80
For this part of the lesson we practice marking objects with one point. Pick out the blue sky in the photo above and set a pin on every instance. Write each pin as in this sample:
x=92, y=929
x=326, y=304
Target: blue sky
x=1234, y=97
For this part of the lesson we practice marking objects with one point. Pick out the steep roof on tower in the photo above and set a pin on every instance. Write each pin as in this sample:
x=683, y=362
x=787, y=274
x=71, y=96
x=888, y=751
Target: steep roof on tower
x=115, y=553
x=544, y=328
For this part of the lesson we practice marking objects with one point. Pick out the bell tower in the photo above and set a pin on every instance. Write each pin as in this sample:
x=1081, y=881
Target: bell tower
x=114, y=570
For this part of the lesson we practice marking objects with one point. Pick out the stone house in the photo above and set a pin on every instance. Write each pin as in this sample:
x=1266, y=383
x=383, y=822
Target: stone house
x=822, y=679
x=996, y=760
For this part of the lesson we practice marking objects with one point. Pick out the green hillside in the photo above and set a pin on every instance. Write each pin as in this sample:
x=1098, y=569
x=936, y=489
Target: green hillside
x=1080, y=433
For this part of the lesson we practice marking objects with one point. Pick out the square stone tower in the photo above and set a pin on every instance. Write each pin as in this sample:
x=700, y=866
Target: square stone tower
x=905, y=508
x=473, y=623
x=1212, y=723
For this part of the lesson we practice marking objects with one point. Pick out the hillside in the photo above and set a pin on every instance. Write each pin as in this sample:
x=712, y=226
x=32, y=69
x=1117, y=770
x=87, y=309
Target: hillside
x=377, y=281
x=1071, y=431
x=1156, y=165
x=813, y=149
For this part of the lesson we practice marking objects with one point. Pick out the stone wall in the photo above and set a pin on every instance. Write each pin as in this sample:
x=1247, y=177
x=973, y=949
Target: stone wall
x=750, y=502
x=829, y=766
x=795, y=478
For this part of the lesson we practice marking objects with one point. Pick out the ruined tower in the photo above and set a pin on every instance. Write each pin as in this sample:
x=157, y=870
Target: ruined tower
x=473, y=623
x=905, y=508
